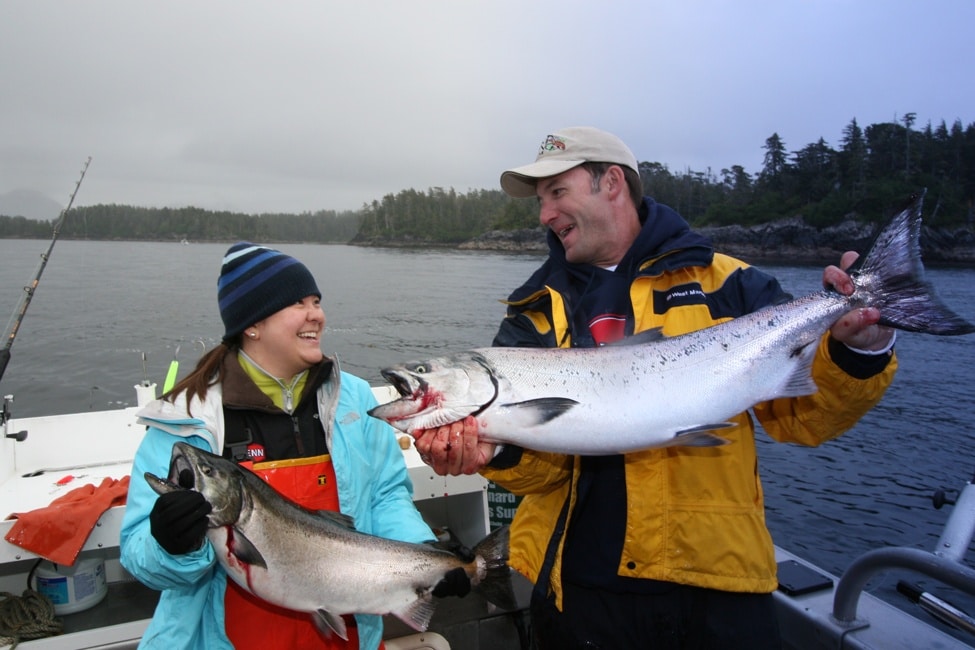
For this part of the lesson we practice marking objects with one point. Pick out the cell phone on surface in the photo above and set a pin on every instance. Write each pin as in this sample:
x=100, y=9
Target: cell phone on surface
x=796, y=579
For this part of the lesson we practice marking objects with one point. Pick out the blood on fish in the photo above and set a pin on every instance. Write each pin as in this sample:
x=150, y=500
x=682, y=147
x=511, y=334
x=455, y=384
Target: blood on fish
x=431, y=398
x=234, y=561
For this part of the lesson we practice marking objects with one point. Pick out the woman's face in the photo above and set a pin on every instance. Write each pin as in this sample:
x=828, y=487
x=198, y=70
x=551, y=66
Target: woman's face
x=288, y=341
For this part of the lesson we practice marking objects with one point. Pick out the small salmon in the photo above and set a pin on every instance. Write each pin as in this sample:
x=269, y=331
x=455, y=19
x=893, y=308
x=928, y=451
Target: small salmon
x=315, y=561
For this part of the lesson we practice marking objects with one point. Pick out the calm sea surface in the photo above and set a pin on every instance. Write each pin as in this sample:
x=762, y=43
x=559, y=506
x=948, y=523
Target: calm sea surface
x=101, y=305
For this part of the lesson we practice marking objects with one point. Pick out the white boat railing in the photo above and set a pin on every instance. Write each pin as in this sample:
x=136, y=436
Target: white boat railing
x=944, y=564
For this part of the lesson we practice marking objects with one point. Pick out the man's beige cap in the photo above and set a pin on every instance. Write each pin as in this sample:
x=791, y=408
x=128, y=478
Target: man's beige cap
x=563, y=150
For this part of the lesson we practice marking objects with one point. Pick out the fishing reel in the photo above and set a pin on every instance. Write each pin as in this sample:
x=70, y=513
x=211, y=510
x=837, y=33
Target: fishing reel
x=942, y=497
x=5, y=418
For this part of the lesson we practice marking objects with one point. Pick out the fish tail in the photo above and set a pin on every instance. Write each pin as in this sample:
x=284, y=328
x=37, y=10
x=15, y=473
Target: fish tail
x=897, y=286
x=495, y=583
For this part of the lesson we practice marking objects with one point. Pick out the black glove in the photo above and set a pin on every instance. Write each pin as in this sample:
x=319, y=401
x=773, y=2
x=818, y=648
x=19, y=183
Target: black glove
x=456, y=581
x=451, y=545
x=178, y=521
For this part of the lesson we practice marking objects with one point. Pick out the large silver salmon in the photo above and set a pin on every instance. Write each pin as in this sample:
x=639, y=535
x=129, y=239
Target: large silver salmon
x=652, y=391
x=315, y=561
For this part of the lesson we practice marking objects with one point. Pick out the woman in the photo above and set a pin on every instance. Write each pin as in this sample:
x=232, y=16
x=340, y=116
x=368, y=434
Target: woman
x=269, y=399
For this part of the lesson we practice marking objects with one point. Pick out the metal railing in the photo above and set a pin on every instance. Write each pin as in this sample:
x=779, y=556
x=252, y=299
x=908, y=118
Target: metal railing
x=944, y=564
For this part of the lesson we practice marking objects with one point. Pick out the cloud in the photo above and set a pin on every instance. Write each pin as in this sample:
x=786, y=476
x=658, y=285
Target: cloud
x=288, y=107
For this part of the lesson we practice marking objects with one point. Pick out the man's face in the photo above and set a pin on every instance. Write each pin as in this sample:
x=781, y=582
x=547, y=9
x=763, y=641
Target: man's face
x=583, y=220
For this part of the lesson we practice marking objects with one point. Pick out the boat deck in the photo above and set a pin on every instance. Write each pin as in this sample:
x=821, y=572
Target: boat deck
x=61, y=453
x=64, y=452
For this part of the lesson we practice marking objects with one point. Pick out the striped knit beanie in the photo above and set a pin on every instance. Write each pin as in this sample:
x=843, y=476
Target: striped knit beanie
x=256, y=282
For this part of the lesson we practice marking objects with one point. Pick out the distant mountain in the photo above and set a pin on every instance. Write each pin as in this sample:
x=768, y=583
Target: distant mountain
x=30, y=204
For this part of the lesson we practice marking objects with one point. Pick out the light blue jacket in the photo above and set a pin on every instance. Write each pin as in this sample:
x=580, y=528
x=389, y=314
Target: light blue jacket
x=373, y=488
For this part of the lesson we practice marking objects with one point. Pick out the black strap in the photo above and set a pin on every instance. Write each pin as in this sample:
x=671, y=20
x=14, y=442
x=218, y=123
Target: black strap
x=545, y=573
x=236, y=438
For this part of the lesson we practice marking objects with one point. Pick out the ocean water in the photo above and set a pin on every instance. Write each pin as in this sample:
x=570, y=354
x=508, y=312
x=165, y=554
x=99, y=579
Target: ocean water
x=101, y=306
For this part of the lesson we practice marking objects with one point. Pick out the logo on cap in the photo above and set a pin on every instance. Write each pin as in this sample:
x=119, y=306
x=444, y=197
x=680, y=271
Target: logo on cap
x=552, y=142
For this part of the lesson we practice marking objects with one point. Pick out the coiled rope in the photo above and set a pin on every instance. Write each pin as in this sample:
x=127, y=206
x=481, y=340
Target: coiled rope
x=28, y=616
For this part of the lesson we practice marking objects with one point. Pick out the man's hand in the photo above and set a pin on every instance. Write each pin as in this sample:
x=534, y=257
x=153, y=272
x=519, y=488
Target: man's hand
x=858, y=328
x=453, y=449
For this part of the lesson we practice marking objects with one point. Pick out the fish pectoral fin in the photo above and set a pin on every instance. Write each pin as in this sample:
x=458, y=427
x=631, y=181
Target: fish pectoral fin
x=245, y=551
x=327, y=622
x=541, y=410
x=701, y=436
x=418, y=613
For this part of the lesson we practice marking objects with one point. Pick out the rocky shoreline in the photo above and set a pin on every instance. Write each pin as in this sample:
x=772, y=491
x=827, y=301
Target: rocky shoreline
x=789, y=241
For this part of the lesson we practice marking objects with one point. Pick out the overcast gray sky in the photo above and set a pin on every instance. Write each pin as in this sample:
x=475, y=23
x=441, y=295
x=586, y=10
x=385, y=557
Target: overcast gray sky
x=300, y=106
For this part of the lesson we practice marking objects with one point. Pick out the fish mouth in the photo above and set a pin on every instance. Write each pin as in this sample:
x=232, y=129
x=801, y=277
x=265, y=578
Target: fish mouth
x=413, y=400
x=180, y=478
x=181, y=474
x=402, y=384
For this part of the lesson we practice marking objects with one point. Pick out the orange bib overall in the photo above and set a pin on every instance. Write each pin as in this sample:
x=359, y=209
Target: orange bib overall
x=253, y=624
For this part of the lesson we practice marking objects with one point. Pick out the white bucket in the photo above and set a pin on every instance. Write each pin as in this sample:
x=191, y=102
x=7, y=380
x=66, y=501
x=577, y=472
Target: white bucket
x=72, y=588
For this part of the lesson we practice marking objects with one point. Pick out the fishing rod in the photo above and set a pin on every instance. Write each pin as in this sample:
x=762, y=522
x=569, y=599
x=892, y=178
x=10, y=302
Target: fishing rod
x=29, y=289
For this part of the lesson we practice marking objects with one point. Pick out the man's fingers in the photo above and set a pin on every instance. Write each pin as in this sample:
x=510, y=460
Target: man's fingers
x=848, y=258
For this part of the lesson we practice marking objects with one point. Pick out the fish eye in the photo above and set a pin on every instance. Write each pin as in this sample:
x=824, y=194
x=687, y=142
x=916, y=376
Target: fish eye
x=207, y=470
x=420, y=368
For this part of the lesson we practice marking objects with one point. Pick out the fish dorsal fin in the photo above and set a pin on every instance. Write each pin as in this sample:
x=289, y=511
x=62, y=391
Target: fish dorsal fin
x=541, y=410
x=243, y=549
x=701, y=436
x=646, y=336
x=327, y=622
x=418, y=613
x=343, y=520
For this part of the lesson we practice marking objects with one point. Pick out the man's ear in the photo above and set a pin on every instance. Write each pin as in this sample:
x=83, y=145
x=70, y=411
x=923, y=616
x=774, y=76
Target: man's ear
x=615, y=181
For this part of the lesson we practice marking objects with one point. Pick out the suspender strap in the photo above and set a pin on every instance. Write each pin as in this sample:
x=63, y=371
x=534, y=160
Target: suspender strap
x=236, y=438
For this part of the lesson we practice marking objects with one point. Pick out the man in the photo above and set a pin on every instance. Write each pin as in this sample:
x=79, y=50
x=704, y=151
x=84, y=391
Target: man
x=665, y=548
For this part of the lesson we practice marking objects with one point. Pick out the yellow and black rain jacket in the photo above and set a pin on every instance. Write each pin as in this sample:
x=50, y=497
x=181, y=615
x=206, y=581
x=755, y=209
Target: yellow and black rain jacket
x=693, y=515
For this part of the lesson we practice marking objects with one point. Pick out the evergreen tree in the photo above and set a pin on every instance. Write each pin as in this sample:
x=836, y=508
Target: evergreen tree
x=853, y=161
x=774, y=163
x=871, y=174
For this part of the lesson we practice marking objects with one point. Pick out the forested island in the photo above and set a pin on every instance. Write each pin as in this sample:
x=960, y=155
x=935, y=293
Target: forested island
x=802, y=204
